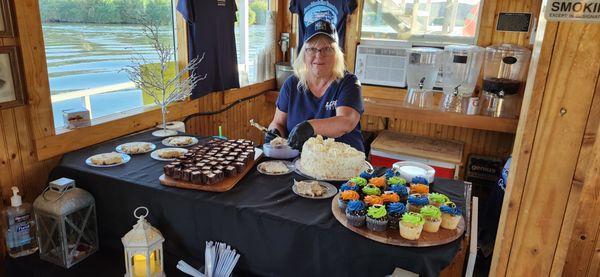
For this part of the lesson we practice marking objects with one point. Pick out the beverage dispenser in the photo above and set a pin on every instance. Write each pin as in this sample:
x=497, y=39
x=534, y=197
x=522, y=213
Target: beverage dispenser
x=504, y=73
x=461, y=66
x=421, y=72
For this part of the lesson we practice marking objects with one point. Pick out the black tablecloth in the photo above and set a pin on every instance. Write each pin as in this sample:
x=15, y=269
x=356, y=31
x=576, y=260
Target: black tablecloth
x=277, y=232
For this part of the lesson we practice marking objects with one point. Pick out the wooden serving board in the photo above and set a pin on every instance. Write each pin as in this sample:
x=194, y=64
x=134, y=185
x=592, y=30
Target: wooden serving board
x=393, y=237
x=225, y=185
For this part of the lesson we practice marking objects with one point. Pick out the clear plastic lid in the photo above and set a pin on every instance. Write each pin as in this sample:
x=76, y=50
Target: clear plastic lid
x=506, y=61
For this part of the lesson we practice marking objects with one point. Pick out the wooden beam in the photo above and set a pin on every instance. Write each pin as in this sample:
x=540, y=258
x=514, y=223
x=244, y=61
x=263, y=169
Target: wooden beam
x=353, y=33
x=233, y=95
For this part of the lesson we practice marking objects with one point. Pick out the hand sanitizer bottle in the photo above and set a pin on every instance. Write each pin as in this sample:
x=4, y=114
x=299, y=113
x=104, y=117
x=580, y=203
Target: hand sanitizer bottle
x=19, y=227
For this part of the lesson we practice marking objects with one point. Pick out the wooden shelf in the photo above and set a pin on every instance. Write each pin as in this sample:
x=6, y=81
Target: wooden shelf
x=388, y=103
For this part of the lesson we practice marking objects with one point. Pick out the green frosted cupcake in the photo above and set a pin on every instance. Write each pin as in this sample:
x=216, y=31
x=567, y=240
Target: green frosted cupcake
x=359, y=181
x=396, y=180
x=377, y=218
x=437, y=199
x=433, y=218
x=371, y=190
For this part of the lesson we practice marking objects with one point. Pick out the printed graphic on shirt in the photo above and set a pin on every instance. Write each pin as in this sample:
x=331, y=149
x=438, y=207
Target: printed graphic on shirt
x=318, y=10
x=221, y=3
x=329, y=106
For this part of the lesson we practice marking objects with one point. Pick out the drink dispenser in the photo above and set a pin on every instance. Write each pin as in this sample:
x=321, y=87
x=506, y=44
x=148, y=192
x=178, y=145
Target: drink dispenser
x=504, y=73
x=461, y=67
x=421, y=72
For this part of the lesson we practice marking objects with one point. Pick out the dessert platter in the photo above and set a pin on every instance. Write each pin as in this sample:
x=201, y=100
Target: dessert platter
x=328, y=160
x=216, y=165
x=392, y=210
x=275, y=167
x=133, y=148
x=107, y=159
x=180, y=141
x=168, y=154
x=314, y=189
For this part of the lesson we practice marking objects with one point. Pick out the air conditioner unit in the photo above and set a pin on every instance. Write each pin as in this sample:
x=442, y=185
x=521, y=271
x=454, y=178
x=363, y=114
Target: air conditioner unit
x=382, y=63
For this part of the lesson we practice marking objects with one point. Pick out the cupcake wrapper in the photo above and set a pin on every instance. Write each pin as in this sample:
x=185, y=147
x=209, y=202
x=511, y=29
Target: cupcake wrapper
x=355, y=220
x=393, y=222
x=450, y=221
x=413, y=208
x=376, y=225
x=342, y=204
x=410, y=232
x=432, y=226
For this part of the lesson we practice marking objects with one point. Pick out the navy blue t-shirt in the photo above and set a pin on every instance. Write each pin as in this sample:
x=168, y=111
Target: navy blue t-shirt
x=334, y=11
x=216, y=41
x=303, y=105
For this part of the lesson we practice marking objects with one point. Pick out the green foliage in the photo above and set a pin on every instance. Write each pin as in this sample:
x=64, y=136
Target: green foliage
x=260, y=7
x=251, y=17
x=105, y=11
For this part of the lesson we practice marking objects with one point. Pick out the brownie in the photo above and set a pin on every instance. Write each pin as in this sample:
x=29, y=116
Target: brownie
x=218, y=174
x=169, y=169
x=238, y=166
x=196, y=177
x=213, y=163
x=186, y=174
x=193, y=168
x=230, y=158
x=210, y=178
x=241, y=159
x=206, y=167
x=200, y=164
x=219, y=155
x=230, y=171
x=176, y=164
x=225, y=163
x=177, y=173
x=219, y=167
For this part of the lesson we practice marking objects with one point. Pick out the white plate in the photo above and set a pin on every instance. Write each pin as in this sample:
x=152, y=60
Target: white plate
x=330, y=190
x=155, y=155
x=166, y=141
x=125, y=157
x=408, y=170
x=120, y=148
x=300, y=170
x=288, y=164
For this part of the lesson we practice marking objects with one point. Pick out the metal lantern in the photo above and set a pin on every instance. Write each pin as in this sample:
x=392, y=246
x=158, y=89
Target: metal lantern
x=143, y=248
x=65, y=217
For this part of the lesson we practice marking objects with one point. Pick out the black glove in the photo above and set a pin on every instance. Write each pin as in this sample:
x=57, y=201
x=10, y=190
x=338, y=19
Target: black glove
x=300, y=134
x=271, y=135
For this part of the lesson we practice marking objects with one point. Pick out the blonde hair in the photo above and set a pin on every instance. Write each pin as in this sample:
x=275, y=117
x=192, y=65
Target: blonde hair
x=301, y=71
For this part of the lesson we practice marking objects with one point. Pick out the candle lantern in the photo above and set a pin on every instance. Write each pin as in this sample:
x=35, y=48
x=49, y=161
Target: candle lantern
x=143, y=248
x=65, y=217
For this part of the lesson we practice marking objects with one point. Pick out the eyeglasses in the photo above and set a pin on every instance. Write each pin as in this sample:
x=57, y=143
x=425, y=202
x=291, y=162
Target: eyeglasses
x=325, y=51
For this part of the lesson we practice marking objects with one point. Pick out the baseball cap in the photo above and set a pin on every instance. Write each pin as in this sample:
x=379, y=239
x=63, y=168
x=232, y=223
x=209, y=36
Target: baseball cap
x=320, y=27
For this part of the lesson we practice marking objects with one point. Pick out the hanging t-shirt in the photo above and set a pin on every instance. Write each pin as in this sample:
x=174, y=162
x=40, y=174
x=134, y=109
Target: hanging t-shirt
x=334, y=11
x=211, y=32
x=303, y=105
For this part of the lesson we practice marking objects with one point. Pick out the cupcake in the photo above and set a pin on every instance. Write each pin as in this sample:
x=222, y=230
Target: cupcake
x=411, y=225
x=396, y=180
x=416, y=202
x=450, y=215
x=379, y=182
x=390, y=197
x=401, y=190
x=349, y=186
x=419, y=180
x=391, y=173
x=437, y=199
x=377, y=218
x=433, y=218
x=367, y=175
x=359, y=181
x=370, y=189
x=373, y=200
x=395, y=211
x=355, y=213
x=346, y=196
x=419, y=188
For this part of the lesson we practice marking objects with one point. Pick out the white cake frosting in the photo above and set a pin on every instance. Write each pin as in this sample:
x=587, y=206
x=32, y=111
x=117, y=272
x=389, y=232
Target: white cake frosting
x=328, y=159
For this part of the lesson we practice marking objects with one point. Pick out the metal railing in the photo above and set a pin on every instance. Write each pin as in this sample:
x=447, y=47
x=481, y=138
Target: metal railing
x=86, y=93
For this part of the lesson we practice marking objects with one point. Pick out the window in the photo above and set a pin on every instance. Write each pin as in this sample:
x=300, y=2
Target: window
x=88, y=42
x=252, y=38
x=435, y=22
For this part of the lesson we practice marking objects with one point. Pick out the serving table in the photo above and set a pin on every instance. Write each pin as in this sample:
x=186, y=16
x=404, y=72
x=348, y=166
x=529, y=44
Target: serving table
x=277, y=232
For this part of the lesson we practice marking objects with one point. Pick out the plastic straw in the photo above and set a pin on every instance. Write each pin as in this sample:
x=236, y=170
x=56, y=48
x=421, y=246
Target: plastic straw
x=220, y=131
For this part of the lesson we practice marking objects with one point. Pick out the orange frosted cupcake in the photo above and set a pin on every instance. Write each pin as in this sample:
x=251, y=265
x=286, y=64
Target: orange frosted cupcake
x=346, y=196
x=379, y=182
x=373, y=200
x=419, y=188
x=390, y=197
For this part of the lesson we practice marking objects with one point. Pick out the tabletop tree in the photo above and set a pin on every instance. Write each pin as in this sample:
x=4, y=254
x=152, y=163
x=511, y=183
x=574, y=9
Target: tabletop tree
x=156, y=83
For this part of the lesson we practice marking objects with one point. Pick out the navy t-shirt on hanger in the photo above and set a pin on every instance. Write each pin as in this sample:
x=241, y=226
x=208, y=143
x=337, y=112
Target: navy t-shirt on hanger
x=303, y=105
x=334, y=11
x=211, y=31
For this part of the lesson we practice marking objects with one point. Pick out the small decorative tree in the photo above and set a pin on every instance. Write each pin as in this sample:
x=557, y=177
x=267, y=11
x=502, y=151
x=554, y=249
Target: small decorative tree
x=155, y=83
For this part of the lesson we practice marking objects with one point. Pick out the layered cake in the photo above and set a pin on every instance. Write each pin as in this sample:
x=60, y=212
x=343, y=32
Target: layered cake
x=328, y=159
x=211, y=162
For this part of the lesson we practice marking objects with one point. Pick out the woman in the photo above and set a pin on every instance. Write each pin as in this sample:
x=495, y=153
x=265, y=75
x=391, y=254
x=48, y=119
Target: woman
x=321, y=97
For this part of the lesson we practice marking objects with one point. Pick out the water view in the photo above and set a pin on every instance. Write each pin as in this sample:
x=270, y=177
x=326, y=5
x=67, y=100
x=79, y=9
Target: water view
x=88, y=56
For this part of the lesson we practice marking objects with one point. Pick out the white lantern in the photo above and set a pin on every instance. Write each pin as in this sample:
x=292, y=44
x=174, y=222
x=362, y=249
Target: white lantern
x=143, y=249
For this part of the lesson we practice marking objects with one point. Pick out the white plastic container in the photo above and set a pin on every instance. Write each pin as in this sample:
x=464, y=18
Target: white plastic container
x=280, y=151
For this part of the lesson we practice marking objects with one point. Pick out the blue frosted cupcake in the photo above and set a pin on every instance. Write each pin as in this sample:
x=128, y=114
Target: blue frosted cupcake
x=377, y=219
x=419, y=180
x=416, y=202
x=367, y=175
x=355, y=213
x=401, y=190
x=349, y=186
x=391, y=173
x=395, y=212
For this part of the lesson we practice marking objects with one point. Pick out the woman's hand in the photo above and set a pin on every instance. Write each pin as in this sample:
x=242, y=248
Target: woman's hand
x=271, y=135
x=300, y=134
